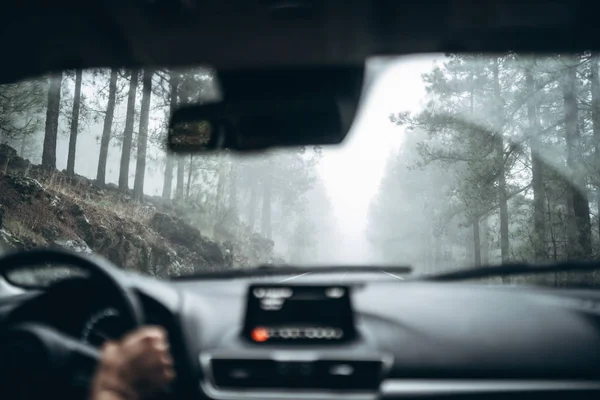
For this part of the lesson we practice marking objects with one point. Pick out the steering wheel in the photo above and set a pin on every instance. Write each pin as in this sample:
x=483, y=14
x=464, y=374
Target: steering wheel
x=37, y=360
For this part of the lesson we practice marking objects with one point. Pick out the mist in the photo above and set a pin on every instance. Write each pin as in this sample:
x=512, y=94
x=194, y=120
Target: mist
x=452, y=161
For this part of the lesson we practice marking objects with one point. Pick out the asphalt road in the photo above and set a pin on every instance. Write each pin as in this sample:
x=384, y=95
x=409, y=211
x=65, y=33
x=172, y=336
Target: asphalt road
x=309, y=277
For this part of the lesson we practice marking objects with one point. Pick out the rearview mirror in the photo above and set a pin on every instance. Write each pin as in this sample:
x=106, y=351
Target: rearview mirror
x=259, y=124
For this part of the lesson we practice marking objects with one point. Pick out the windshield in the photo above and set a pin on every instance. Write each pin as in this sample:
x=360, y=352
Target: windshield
x=453, y=161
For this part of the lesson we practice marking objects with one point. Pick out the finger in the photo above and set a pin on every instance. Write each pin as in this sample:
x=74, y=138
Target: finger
x=151, y=361
x=143, y=346
x=166, y=359
x=153, y=331
x=164, y=376
x=109, y=355
x=160, y=345
x=156, y=365
x=156, y=379
x=146, y=334
x=170, y=373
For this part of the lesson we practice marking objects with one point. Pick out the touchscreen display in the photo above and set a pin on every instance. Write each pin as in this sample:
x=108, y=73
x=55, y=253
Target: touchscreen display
x=290, y=313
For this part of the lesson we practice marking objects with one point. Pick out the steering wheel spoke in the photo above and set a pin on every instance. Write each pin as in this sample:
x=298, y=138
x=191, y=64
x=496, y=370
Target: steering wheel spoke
x=36, y=359
x=49, y=359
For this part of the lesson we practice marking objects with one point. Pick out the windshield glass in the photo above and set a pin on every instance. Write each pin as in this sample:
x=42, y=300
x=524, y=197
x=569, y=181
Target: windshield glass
x=453, y=161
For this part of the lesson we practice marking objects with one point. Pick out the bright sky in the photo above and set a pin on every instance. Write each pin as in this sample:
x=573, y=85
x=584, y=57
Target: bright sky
x=353, y=171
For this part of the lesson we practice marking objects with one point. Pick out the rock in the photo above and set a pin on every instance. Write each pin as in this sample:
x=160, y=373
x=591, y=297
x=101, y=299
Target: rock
x=228, y=253
x=77, y=245
x=175, y=229
x=9, y=242
x=7, y=152
x=211, y=252
x=222, y=234
x=179, y=232
x=81, y=181
x=54, y=201
x=76, y=210
x=85, y=228
x=27, y=187
x=148, y=208
x=11, y=161
x=50, y=232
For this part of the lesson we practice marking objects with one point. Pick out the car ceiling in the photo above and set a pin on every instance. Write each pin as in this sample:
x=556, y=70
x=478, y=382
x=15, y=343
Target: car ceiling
x=40, y=36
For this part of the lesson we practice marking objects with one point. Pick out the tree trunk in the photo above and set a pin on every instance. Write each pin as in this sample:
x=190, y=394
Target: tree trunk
x=476, y=236
x=582, y=248
x=128, y=132
x=596, y=126
x=74, y=123
x=476, y=244
x=106, y=130
x=232, y=187
x=142, y=140
x=502, y=196
x=23, y=146
x=252, y=207
x=24, y=149
x=266, y=208
x=537, y=182
x=168, y=183
x=189, y=180
x=51, y=129
x=180, y=178
x=485, y=242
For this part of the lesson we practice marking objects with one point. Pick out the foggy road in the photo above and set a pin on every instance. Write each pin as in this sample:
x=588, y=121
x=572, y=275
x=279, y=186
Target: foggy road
x=311, y=277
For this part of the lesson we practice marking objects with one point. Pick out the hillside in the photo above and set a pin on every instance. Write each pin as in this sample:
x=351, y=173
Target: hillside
x=40, y=207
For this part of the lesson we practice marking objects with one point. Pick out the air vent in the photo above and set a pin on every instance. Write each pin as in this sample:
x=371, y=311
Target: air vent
x=355, y=375
x=232, y=373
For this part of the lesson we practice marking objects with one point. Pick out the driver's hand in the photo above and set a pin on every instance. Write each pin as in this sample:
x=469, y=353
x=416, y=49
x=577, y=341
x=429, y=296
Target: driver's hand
x=134, y=368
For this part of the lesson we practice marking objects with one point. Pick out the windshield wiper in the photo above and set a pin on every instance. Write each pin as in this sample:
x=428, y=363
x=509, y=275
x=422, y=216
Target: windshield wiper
x=513, y=269
x=273, y=270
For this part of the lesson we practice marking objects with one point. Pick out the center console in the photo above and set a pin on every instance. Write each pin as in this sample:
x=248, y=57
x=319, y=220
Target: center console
x=300, y=337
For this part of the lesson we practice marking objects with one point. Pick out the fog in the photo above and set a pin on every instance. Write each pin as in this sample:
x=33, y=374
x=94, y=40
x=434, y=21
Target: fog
x=353, y=171
x=451, y=161
x=348, y=176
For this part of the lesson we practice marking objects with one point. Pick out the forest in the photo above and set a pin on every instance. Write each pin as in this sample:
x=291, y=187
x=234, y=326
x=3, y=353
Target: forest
x=501, y=165
x=110, y=126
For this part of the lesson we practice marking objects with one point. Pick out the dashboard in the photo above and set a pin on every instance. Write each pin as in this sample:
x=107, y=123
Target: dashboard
x=335, y=337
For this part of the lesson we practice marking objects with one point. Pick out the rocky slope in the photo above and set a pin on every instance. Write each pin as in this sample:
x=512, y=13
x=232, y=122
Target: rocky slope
x=41, y=207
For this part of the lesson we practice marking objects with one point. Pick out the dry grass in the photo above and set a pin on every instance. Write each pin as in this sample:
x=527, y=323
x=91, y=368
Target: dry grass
x=110, y=202
x=18, y=229
x=132, y=211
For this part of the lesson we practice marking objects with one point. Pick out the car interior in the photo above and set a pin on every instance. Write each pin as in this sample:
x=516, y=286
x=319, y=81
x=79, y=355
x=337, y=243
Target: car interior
x=251, y=334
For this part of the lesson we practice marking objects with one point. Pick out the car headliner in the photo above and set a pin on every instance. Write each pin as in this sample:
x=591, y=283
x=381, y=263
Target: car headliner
x=40, y=36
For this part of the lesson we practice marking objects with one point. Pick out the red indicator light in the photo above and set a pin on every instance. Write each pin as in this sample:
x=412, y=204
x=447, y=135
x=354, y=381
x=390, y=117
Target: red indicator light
x=260, y=334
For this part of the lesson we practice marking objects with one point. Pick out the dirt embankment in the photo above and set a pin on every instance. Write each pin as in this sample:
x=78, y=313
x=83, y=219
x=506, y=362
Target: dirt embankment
x=41, y=207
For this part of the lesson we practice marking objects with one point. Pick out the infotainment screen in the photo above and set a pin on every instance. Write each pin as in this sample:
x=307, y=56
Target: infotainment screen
x=298, y=314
